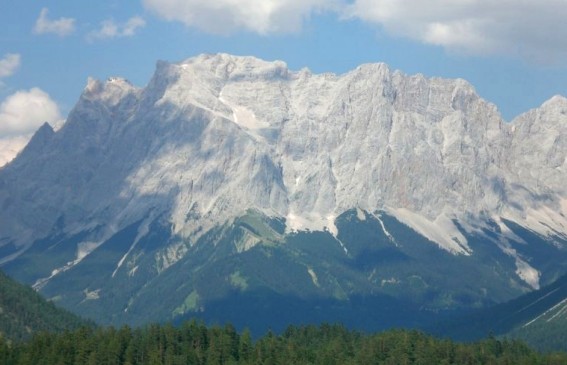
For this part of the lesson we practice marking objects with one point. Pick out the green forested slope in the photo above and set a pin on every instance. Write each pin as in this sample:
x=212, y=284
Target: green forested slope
x=23, y=312
x=538, y=317
x=542, y=335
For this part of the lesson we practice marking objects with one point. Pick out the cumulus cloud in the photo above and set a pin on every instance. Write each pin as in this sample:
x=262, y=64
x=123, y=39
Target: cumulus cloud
x=25, y=111
x=531, y=28
x=62, y=26
x=21, y=114
x=225, y=16
x=111, y=29
x=9, y=64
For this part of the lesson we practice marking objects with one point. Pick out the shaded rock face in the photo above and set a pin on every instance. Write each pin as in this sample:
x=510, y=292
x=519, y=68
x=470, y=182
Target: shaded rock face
x=214, y=137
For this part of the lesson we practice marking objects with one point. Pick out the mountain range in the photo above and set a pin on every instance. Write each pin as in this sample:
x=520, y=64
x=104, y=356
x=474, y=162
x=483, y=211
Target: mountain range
x=232, y=188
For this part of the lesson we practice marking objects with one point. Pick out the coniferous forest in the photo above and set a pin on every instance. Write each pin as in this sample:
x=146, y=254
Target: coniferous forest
x=195, y=343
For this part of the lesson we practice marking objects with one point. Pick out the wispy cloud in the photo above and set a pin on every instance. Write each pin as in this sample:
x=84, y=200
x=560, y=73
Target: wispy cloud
x=226, y=16
x=111, y=29
x=62, y=26
x=9, y=64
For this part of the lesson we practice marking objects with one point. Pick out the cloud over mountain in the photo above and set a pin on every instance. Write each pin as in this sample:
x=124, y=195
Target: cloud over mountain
x=24, y=111
x=62, y=26
x=21, y=114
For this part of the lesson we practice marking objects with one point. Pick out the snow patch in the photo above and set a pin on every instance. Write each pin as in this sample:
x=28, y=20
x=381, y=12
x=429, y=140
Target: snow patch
x=342, y=245
x=388, y=234
x=441, y=231
x=506, y=231
x=313, y=276
x=547, y=311
x=245, y=118
x=560, y=312
x=527, y=273
x=391, y=281
x=247, y=242
x=314, y=222
x=546, y=221
x=170, y=255
x=330, y=225
x=132, y=271
x=92, y=295
x=311, y=222
x=85, y=248
x=142, y=231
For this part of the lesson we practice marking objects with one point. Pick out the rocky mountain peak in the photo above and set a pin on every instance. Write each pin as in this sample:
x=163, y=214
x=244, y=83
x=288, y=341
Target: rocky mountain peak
x=214, y=136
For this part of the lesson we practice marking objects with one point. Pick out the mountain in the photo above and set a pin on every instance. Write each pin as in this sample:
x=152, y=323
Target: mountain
x=231, y=188
x=538, y=318
x=24, y=312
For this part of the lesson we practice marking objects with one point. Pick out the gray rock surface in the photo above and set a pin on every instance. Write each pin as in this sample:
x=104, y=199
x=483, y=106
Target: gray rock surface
x=215, y=135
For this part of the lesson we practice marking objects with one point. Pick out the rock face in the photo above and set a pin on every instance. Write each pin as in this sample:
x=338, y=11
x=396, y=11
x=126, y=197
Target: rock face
x=213, y=138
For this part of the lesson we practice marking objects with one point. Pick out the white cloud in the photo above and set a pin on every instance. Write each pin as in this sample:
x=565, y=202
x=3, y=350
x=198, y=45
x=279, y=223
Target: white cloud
x=110, y=29
x=25, y=111
x=21, y=114
x=532, y=29
x=225, y=16
x=9, y=64
x=61, y=26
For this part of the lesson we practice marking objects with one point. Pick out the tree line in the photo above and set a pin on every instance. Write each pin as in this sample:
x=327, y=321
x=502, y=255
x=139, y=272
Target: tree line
x=194, y=343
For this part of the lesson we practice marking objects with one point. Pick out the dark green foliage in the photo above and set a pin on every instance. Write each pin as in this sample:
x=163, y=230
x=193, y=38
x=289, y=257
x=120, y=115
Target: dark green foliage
x=193, y=343
x=23, y=312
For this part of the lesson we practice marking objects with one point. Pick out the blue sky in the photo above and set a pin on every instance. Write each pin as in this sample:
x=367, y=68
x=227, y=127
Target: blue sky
x=513, y=51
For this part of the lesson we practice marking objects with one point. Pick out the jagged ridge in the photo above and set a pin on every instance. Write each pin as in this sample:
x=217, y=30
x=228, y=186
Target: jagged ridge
x=214, y=136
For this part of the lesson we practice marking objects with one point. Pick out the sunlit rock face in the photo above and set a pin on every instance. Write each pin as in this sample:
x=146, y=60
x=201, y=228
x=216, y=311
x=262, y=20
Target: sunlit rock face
x=216, y=136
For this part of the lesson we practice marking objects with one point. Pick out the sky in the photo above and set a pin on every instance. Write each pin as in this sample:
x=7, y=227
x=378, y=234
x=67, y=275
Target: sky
x=514, y=52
